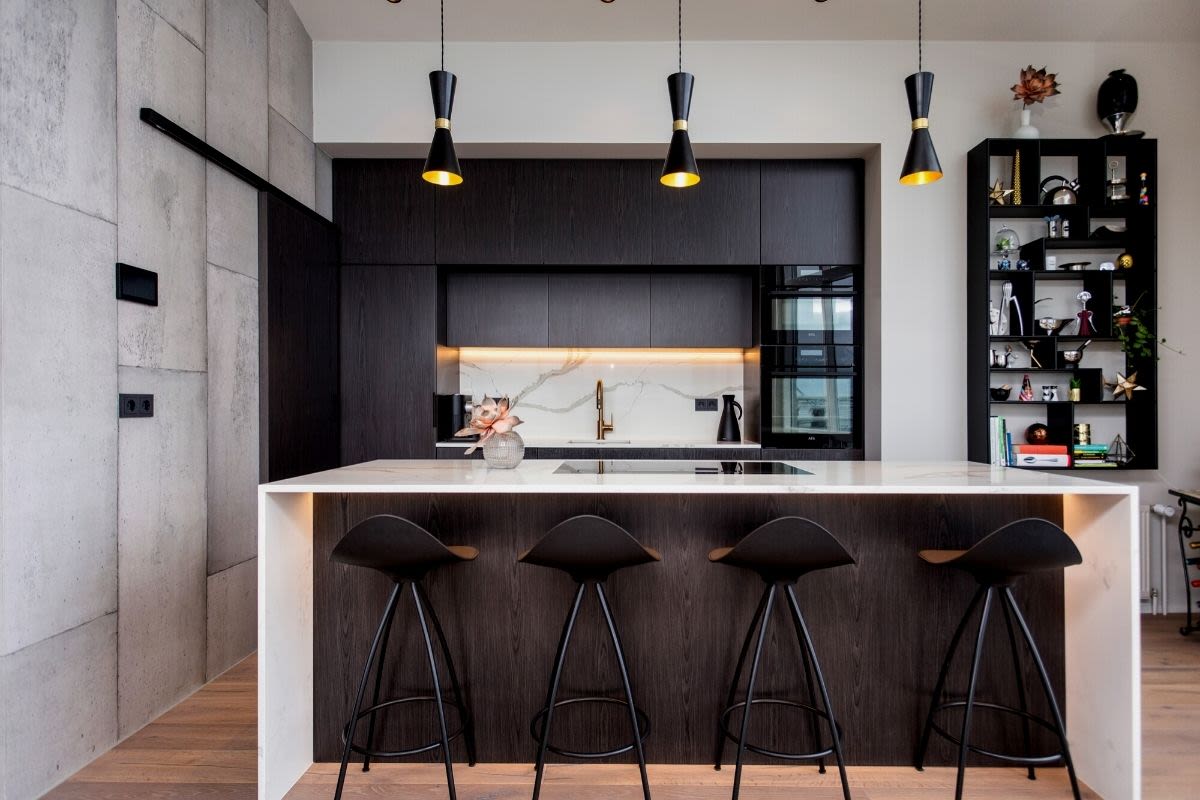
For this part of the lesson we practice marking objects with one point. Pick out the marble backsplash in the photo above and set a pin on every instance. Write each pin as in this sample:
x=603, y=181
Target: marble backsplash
x=649, y=394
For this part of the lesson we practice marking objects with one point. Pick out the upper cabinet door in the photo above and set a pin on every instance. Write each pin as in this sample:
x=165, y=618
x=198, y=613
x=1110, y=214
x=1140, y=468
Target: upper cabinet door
x=701, y=309
x=496, y=309
x=597, y=212
x=812, y=212
x=496, y=216
x=385, y=211
x=713, y=222
x=592, y=309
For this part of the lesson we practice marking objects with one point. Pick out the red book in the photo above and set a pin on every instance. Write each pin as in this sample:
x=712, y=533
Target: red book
x=1043, y=449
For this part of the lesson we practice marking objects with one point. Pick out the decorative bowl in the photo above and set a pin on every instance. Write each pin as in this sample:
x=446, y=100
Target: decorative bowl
x=1052, y=325
x=1001, y=393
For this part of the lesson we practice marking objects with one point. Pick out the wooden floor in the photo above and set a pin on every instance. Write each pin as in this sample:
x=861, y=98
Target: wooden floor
x=205, y=748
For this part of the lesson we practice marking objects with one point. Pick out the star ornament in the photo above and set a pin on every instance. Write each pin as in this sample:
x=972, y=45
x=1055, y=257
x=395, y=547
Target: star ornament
x=1125, y=386
x=999, y=194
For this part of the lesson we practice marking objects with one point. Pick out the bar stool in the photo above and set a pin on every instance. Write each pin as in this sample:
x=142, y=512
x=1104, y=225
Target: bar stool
x=1017, y=549
x=589, y=549
x=781, y=552
x=405, y=552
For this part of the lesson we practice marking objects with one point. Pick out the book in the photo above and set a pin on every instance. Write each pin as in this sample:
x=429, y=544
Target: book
x=1042, y=449
x=1089, y=464
x=1043, y=460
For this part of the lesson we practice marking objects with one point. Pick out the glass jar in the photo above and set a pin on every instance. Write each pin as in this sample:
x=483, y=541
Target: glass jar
x=504, y=450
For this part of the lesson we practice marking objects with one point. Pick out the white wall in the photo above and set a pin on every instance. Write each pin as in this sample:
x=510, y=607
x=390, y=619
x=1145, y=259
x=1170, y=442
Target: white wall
x=127, y=549
x=570, y=97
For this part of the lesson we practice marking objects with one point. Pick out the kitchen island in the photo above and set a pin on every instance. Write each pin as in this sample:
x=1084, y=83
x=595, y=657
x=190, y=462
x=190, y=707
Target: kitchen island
x=881, y=627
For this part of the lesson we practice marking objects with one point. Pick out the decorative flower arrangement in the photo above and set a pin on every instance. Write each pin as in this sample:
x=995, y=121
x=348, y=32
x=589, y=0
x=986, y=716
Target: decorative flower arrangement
x=488, y=418
x=1035, y=86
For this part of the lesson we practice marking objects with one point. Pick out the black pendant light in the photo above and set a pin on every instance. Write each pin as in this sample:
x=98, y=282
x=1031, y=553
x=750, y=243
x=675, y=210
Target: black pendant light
x=441, y=165
x=680, y=170
x=921, y=165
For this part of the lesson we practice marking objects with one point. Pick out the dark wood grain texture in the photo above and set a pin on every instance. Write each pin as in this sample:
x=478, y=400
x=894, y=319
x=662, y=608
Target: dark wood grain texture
x=597, y=211
x=485, y=311
x=389, y=362
x=701, y=309
x=714, y=222
x=600, y=309
x=880, y=628
x=299, y=405
x=497, y=216
x=812, y=212
x=385, y=211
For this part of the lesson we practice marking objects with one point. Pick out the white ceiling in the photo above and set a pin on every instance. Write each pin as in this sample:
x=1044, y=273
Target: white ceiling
x=751, y=20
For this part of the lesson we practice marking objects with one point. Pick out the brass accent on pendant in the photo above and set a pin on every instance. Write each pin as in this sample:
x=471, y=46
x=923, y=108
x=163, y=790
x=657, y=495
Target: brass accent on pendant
x=679, y=125
x=920, y=122
x=441, y=122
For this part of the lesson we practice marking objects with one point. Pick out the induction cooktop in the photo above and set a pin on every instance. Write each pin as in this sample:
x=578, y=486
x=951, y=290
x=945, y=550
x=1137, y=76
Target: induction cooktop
x=679, y=468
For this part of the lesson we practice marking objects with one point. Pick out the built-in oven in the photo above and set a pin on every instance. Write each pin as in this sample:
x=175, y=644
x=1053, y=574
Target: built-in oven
x=810, y=356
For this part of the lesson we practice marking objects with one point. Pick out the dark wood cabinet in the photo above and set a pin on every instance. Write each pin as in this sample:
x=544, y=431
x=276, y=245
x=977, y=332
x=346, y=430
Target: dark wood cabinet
x=701, y=309
x=497, y=216
x=714, y=222
x=597, y=212
x=385, y=211
x=812, y=212
x=593, y=309
x=490, y=310
x=389, y=361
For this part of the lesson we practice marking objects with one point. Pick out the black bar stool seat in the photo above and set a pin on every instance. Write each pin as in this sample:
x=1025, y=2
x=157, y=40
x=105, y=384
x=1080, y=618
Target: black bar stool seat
x=589, y=549
x=406, y=553
x=781, y=552
x=997, y=563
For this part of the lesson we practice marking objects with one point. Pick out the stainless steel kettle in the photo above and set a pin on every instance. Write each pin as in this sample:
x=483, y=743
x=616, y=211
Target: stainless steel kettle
x=1065, y=194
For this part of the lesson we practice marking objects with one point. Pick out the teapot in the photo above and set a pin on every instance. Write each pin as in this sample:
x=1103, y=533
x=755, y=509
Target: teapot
x=1065, y=194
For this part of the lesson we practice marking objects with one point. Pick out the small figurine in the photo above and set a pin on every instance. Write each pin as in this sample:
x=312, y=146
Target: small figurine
x=1116, y=186
x=1049, y=394
x=1004, y=264
x=1085, y=317
x=1026, y=395
x=1051, y=227
x=993, y=319
x=1022, y=264
x=1144, y=192
x=1065, y=228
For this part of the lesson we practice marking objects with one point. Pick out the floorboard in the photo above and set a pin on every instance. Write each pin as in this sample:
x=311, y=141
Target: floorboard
x=205, y=748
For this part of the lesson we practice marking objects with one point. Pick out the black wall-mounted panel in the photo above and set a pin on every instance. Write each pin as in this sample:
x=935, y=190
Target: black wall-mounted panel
x=701, y=309
x=812, y=212
x=137, y=285
x=714, y=222
x=594, y=309
x=597, y=211
x=385, y=211
x=298, y=344
x=497, y=216
x=484, y=309
x=389, y=362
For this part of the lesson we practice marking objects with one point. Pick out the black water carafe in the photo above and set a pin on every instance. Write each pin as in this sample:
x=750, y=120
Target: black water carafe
x=729, y=430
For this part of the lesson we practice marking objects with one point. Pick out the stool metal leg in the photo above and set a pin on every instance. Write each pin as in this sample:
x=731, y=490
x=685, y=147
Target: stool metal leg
x=468, y=720
x=362, y=688
x=737, y=675
x=806, y=640
x=938, y=687
x=387, y=635
x=1016, y=657
x=552, y=693
x=437, y=693
x=814, y=725
x=969, y=707
x=633, y=718
x=1046, y=687
x=762, y=635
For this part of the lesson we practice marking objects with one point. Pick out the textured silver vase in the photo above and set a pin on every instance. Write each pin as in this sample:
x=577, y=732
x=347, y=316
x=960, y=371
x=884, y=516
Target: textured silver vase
x=504, y=450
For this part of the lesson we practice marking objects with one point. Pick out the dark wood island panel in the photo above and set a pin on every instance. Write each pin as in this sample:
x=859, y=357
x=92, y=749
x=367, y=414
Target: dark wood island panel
x=880, y=628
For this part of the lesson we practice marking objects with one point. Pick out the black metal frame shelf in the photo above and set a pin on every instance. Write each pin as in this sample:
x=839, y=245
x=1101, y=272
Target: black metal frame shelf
x=1139, y=240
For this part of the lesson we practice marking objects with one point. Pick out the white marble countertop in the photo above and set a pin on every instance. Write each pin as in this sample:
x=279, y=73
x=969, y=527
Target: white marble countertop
x=622, y=444
x=828, y=477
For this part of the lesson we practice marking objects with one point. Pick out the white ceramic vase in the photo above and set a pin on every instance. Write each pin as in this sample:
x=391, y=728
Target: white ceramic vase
x=1026, y=131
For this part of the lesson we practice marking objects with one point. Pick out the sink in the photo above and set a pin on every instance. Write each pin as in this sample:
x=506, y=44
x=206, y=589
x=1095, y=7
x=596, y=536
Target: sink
x=599, y=442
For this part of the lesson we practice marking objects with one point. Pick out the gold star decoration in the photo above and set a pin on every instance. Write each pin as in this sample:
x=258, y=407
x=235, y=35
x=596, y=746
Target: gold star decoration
x=1125, y=386
x=999, y=194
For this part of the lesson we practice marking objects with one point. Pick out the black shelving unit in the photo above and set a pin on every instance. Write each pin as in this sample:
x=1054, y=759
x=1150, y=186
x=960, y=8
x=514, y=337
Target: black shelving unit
x=1092, y=158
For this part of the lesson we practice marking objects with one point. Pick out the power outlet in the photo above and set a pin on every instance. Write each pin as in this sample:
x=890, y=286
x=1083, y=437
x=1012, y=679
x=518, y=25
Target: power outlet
x=136, y=405
x=706, y=404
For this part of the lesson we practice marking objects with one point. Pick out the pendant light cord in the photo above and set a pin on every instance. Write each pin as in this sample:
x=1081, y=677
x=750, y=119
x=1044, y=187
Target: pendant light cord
x=920, y=35
x=681, y=35
x=442, y=22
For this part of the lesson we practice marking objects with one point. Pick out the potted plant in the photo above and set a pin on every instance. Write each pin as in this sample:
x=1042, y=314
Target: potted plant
x=1074, y=390
x=1137, y=340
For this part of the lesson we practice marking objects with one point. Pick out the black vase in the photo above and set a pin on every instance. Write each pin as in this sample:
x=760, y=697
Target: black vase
x=729, y=430
x=1117, y=100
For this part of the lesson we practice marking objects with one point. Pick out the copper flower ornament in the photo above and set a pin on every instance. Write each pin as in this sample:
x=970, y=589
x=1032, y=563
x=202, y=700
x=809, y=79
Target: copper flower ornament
x=489, y=417
x=1035, y=85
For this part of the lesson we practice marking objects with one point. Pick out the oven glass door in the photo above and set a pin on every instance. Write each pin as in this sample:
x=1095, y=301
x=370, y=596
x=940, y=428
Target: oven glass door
x=809, y=405
x=806, y=319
